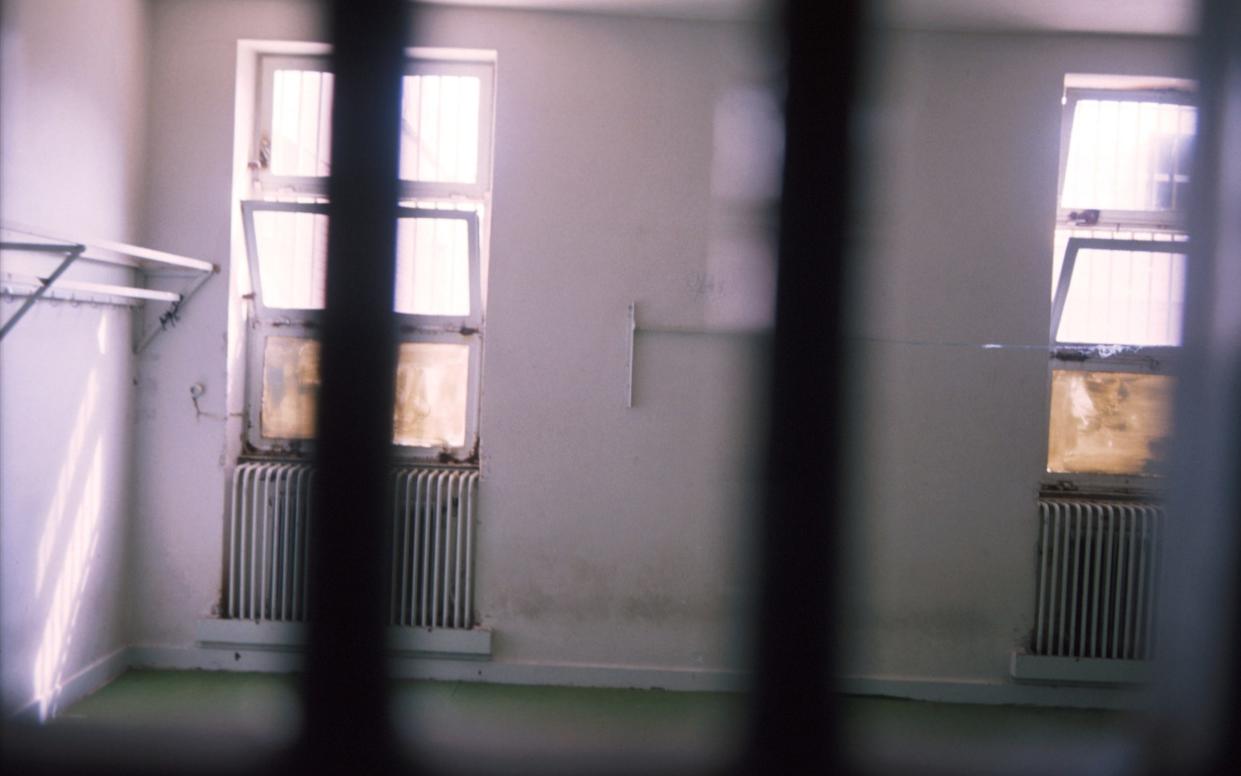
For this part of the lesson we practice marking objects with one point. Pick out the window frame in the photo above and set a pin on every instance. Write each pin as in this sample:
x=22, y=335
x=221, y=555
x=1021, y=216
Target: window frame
x=1068, y=265
x=315, y=185
x=1100, y=357
x=308, y=194
x=473, y=320
x=411, y=328
x=1171, y=220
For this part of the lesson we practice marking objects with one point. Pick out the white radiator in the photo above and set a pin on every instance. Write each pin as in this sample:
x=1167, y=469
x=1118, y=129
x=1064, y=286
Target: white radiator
x=1098, y=565
x=432, y=545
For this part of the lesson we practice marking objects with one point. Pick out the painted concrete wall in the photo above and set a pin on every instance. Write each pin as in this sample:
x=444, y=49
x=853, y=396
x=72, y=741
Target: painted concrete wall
x=73, y=113
x=961, y=174
x=607, y=535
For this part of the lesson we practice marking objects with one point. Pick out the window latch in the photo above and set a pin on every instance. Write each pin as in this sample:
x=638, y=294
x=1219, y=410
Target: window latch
x=1084, y=217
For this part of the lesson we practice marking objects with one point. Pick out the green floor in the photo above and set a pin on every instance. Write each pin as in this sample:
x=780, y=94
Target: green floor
x=447, y=719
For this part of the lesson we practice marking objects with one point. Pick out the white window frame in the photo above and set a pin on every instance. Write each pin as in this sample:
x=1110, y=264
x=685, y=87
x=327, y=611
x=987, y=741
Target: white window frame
x=1096, y=357
x=1126, y=220
x=264, y=321
x=426, y=190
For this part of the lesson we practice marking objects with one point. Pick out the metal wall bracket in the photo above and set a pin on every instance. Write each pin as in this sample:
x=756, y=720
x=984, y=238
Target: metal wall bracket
x=72, y=252
x=631, y=328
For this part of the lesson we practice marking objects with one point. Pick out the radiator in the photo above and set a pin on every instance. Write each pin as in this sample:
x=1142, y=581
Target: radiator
x=432, y=533
x=1098, y=566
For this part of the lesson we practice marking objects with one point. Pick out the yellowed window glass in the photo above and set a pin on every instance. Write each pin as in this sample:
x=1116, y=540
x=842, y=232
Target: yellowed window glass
x=432, y=387
x=290, y=387
x=1109, y=422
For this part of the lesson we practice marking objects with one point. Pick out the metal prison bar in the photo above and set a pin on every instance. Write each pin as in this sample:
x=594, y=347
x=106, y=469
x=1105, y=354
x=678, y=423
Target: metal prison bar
x=432, y=565
x=1098, y=568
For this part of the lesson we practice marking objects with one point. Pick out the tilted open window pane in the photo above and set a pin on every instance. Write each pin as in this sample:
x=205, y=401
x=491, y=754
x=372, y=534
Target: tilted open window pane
x=1109, y=422
x=437, y=266
x=291, y=256
x=1128, y=155
x=301, y=124
x=432, y=394
x=290, y=387
x=1120, y=296
x=433, y=267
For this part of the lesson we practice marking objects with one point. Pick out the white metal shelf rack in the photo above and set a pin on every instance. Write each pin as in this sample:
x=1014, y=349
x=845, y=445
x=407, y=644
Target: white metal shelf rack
x=146, y=264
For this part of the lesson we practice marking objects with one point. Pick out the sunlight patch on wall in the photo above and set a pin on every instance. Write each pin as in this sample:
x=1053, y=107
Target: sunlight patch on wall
x=66, y=598
x=67, y=480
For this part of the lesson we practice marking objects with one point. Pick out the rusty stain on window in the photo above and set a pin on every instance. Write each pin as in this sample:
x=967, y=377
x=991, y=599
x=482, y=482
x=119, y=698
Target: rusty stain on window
x=1109, y=422
x=290, y=387
x=432, y=386
x=432, y=382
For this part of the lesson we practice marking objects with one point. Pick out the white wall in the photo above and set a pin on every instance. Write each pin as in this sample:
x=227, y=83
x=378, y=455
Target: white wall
x=961, y=176
x=71, y=142
x=607, y=535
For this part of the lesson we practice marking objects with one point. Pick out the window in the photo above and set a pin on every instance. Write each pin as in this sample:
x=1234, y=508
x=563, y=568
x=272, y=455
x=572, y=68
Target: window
x=445, y=162
x=1118, y=279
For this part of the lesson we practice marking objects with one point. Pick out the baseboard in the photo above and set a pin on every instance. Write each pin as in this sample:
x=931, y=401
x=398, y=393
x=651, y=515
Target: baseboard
x=995, y=693
x=268, y=660
x=573, y=675
x=216, y=658
x=221, y=658
x=76, y=687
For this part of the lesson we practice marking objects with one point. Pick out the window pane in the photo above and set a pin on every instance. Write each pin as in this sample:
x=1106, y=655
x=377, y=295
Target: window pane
x=292, y=258
x=290, y=387
x=432, y=383
x=1128, y=155
x=301, y=125
x=1124, y=298
x=432, y=269
x=439, y=128
x=1109, y=422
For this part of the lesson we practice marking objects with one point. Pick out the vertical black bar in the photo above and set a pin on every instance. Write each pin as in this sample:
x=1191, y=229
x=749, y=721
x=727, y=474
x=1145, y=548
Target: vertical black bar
x=791, y=725
x=1199, y=587
x=347, y=728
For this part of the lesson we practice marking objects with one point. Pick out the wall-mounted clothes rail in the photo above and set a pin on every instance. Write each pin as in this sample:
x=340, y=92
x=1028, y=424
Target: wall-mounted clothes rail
x=145, y=262
x=72, y=251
